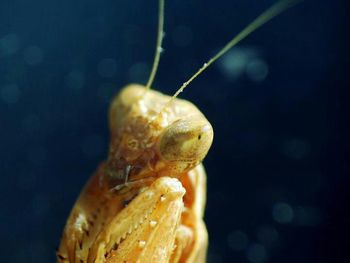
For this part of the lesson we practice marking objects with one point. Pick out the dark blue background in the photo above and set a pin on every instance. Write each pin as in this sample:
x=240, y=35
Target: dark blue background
x=277, y=173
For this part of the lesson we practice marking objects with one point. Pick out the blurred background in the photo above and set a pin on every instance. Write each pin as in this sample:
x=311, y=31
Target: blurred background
x=277, y=171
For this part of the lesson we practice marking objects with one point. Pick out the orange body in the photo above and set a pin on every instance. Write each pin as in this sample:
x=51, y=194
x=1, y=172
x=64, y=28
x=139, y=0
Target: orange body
x=146, y=202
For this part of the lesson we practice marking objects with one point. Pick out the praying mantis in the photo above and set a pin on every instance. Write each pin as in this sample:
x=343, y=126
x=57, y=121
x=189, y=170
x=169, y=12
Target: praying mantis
x=146, y=202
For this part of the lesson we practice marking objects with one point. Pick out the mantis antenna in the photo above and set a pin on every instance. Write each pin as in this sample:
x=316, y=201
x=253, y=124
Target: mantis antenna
x=266, y=16
x=160, y=35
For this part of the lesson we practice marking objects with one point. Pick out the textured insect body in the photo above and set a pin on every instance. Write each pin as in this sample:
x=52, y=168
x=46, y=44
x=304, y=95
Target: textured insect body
x=134, y=209
x=145, y=203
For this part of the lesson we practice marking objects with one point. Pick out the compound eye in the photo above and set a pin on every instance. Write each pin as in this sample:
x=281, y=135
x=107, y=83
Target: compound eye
x=186, y=140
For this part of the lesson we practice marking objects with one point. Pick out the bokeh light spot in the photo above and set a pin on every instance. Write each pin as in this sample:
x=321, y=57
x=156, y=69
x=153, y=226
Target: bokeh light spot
x=9, y=45
x=243, y=61
x=257, y=70
x=256, y=253
x=10, y=93
x=33, y=55
x=237, y=240
x=75, y=79
x=282, y=212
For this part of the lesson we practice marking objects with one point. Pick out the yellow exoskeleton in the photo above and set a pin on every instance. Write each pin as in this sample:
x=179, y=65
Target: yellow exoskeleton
x=145, y=203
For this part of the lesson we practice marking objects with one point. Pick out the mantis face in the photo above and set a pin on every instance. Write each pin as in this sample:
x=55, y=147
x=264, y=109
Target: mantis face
x=153, y=137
